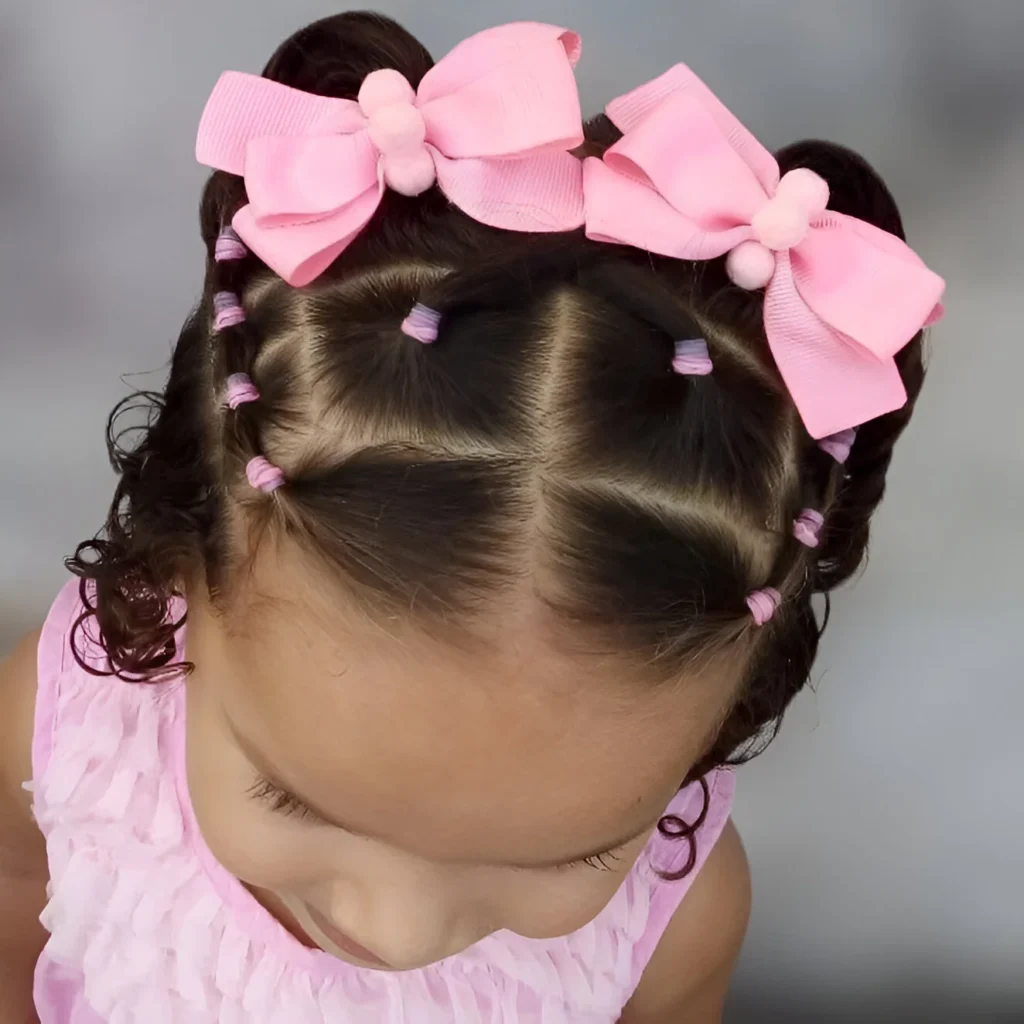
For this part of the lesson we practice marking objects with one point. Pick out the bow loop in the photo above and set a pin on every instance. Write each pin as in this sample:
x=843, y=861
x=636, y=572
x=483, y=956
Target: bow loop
x=506, y=92
x=719, y=192
x=302, y=177
x=244, y=107
x=688, y=181
x=492, y=123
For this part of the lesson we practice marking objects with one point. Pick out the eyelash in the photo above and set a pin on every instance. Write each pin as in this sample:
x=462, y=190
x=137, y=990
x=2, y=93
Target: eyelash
x=279, y=800
x=282, y=802
x=599, y=862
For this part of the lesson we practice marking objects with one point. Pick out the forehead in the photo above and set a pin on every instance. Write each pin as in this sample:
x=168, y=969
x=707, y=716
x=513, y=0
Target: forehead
x=504, y=748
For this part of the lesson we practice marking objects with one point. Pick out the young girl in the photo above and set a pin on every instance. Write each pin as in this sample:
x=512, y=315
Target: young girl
x=473, y=537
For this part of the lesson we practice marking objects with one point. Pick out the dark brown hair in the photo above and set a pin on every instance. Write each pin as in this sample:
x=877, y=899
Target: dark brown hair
x=544, y=435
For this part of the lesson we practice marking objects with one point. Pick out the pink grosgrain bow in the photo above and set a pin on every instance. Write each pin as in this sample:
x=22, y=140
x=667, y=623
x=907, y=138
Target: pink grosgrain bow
x=687, y=180
x=492, y=123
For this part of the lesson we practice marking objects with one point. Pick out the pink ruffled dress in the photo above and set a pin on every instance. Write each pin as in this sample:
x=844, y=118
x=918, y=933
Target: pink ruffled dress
x=147, y=928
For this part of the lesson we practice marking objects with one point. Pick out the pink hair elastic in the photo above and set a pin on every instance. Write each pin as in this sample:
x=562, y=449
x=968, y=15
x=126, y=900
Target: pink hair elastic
x=807, y=527
x=229, y=246
x=263, y=475
x=692, y=359
x=839, y=445
x=227, y=308
x=240, y=390
x=763, y=604
x=422, y=323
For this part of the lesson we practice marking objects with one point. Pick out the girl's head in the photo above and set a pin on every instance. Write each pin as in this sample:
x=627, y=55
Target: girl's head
x=518, y=585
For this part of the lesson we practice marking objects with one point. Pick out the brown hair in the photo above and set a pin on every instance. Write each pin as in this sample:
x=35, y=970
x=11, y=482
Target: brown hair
x=544, y=432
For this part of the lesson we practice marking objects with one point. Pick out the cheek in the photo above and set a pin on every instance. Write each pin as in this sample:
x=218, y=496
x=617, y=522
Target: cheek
x=256, y=851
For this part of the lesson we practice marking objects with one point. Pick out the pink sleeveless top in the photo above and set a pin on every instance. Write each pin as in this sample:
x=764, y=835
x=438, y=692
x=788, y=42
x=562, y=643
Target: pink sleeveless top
x=147, y=928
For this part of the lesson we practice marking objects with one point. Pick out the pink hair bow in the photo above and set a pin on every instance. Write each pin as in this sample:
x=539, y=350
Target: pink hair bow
x=687, y=180
x=491, y=123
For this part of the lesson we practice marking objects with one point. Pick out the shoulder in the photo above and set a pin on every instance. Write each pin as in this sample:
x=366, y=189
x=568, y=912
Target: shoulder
x=18, y=685
x=30, y=679
x=690, y=969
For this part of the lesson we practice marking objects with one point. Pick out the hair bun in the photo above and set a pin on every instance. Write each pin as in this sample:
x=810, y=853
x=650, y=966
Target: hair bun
x=333, y=56
x=855, y=187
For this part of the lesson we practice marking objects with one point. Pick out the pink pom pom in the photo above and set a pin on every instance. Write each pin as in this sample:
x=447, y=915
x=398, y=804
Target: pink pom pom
x=383, y=89
x=750, y=265
x=398, y=130
x=410, y=175
x=780, y=224
x=806, y=189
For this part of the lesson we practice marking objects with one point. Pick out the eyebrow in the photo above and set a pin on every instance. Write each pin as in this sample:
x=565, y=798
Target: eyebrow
x=269, y=775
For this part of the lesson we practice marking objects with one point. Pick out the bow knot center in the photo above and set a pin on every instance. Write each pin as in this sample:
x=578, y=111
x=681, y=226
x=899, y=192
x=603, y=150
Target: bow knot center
x=785, y=219
x=384, y=88
x=780, y=224
x=398, y=131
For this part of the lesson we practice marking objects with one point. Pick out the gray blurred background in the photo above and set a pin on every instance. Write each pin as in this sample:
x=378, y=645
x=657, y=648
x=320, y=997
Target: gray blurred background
x=885, y=827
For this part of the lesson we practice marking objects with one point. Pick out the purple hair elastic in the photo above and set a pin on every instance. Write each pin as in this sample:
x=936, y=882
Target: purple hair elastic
x=422, y=323
x=692, y=359
x=229, y=246
x=839, y=445
x=263, y=475
x=240, y=390
x=227, y=308
x=763, y=604
x=807, y=527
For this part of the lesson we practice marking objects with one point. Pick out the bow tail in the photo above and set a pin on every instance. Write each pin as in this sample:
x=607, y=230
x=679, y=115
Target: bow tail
x=868, y=284
x=539, y=193
x=300, y=249
x=834, y=382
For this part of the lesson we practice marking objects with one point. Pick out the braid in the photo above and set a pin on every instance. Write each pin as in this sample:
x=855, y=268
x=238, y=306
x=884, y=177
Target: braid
x=860, y=486
x=850, y=476
x=234, y=346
